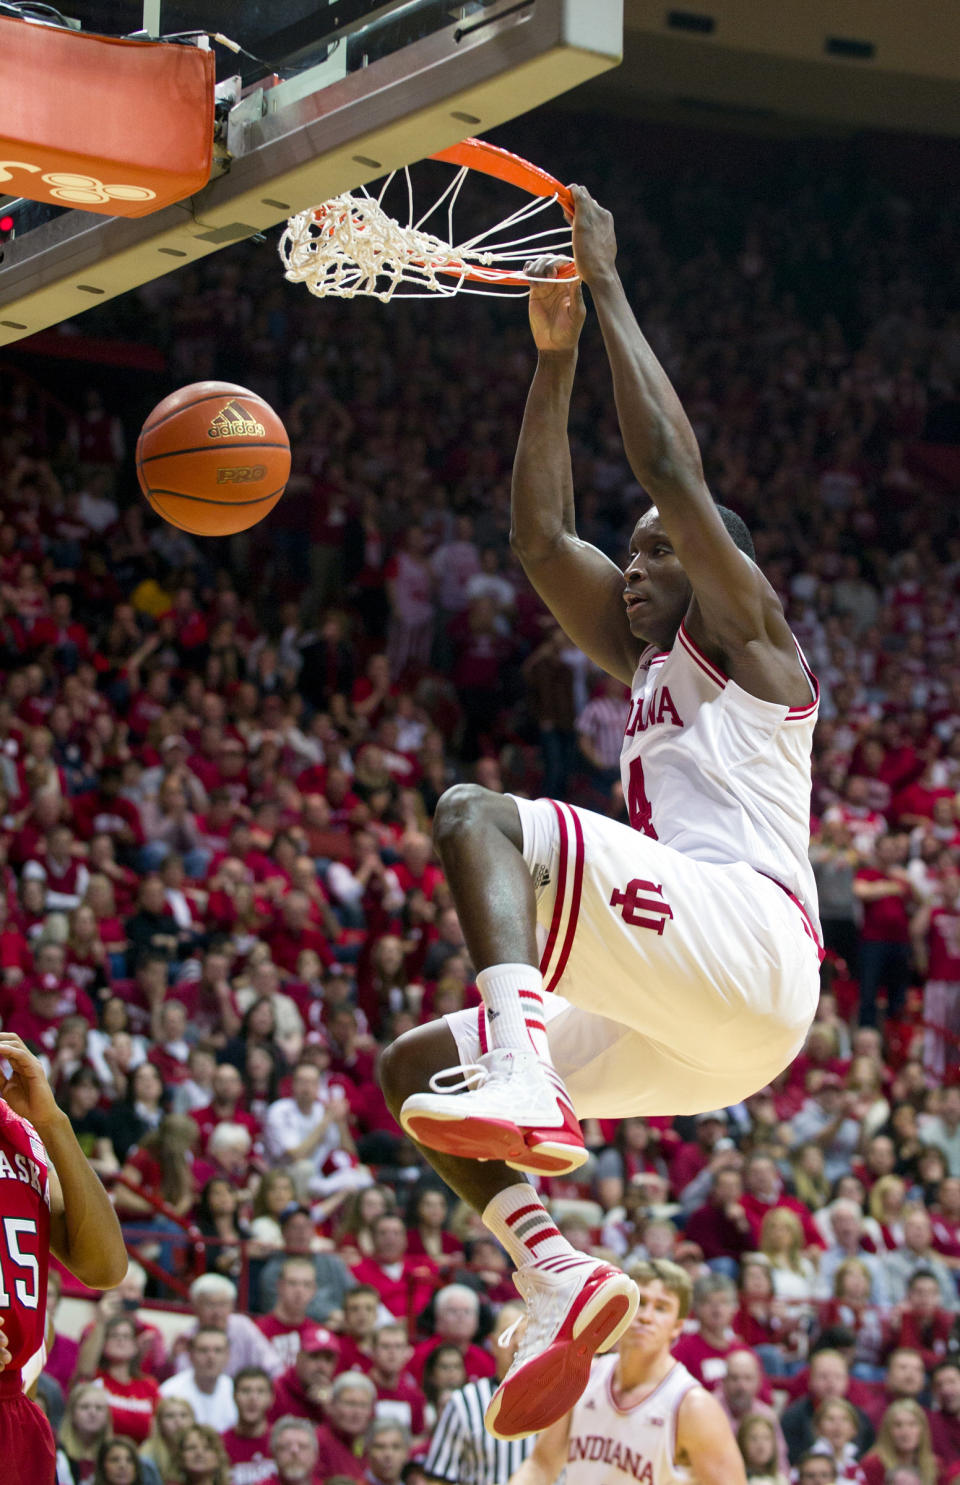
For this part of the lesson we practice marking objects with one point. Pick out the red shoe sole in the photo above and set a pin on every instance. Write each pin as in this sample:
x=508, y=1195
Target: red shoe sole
x=493, y=1139
x=549, y=1384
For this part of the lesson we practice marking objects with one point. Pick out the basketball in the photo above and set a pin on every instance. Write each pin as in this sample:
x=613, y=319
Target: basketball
x=213, y=458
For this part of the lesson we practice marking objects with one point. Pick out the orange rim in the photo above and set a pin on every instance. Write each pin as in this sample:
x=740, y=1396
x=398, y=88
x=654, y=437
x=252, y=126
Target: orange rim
x=489, y=159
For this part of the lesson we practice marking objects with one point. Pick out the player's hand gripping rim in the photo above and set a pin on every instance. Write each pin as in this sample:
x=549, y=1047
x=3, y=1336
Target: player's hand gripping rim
x=555, y=305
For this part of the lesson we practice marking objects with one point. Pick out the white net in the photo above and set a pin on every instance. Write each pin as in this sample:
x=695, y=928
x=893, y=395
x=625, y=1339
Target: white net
x=351, y=245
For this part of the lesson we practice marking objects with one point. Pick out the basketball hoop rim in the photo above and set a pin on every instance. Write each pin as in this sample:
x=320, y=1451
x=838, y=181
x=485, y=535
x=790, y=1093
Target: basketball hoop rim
x=351, y=244
x=490, y=159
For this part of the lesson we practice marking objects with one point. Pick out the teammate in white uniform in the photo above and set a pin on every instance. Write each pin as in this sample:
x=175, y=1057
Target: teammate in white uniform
x=684, y=946
x=642, y=1416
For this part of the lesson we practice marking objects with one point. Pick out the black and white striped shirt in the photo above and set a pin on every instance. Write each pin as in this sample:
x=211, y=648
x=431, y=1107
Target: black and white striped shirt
x=462, y=1451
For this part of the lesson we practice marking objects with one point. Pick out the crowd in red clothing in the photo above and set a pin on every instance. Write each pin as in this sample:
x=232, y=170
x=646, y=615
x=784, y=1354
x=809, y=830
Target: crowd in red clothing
x=219, y=764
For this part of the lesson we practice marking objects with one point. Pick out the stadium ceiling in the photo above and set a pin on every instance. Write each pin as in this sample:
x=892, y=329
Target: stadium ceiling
x=769, y=64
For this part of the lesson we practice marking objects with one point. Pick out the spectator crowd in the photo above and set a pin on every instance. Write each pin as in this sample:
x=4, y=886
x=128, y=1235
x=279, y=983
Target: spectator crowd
x=219, y=901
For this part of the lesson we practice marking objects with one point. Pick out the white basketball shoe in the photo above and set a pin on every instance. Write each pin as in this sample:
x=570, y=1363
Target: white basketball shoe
x=509, y=1105
x=576, y=1307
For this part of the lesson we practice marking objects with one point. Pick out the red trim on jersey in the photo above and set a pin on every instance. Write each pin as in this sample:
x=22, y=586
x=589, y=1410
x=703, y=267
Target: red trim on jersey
x=797, y=713
x=625, y=1412
x=656, y=656
x=574, y=913
x=697, y=655
x=561, y=890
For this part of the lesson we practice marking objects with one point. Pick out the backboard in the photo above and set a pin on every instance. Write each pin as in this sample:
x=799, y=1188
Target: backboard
x=322, y=98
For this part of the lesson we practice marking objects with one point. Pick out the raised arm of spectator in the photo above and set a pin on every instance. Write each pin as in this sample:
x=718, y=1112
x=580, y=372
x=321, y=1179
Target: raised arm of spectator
x=581, y=587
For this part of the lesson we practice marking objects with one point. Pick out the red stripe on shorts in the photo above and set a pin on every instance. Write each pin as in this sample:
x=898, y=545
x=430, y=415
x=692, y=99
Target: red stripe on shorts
x=808, y=927
x=574, y=913
x=561, y=891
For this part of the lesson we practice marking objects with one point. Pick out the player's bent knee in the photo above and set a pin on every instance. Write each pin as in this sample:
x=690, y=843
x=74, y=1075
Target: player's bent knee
x=465, y=808
x=407, y=1064
x=391, y=1076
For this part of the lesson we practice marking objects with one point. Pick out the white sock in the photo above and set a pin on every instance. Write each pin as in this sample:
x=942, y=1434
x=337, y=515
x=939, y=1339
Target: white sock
x=519, y=1220
x=513, y=998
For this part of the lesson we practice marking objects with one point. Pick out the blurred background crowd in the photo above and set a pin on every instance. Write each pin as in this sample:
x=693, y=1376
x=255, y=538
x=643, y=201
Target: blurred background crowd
x=219, y=761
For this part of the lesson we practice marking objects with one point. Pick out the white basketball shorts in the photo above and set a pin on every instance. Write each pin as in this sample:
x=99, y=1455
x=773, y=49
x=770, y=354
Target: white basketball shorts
x=677, y=985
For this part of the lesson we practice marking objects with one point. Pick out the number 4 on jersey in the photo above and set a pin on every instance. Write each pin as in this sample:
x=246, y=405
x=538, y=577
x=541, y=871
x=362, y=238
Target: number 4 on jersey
x=639, y=807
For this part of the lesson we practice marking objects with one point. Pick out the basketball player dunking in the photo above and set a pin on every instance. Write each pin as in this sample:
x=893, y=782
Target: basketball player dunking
x=50, y=1201
x=643, y=1417
x=685, y=945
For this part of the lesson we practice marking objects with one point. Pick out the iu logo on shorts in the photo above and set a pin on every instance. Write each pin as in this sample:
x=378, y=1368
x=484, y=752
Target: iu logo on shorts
x=642, y=905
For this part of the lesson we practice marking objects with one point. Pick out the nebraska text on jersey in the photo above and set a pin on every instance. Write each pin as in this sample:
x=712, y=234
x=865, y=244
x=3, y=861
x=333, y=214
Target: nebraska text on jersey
x=26, y=1170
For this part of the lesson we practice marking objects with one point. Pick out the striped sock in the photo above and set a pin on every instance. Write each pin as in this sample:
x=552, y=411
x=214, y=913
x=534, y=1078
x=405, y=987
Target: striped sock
x=513, y=999
x=521, y=1223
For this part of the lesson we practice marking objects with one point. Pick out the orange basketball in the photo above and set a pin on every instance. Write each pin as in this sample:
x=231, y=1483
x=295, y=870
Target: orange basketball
x=213, y=458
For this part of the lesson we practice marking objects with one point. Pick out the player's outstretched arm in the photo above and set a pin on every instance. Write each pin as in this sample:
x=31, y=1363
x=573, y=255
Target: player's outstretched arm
x=546, y=1464
x=706, y=1443
x=581, y=587
x=84, y=1232
x=662, y=449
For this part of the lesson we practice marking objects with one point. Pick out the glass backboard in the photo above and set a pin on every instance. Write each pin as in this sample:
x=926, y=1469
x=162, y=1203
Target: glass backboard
x=322, y=98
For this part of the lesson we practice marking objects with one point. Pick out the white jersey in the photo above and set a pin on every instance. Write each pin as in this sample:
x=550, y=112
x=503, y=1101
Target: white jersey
x=718, y=774
x=611, y=1445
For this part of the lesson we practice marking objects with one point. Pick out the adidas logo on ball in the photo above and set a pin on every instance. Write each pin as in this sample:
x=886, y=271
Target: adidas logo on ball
x=233, y=421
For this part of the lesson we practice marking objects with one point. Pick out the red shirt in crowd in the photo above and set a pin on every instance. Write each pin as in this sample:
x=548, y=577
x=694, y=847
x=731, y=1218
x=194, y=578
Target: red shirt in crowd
x=945, y=1437
x=405, y=1287
x=944, y=945
x=337, y=1454
x=249, y=1457
x=289, y=1396
x=406, y=1401
x=885, y=919
x=284, y=1337
x=709, y=1363
x=132, y=1404
x=928, y=1336
x=479, y=1363
x=756, y=1210
x=95, y=815
x=286, y=946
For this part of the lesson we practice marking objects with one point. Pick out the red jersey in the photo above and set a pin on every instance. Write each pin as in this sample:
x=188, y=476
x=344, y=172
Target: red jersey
x=250, y=1462
x=709, y=1363
x=944, y=940
x=132, y=1404
x=403, y=1402
x=24, y=1243
x=479, y=1363
x=885, y=919
x=283, y=1337
x=339, y=1454
x=404, y=1287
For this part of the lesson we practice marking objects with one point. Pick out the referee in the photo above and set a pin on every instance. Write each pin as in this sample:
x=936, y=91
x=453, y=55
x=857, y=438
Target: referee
x=461, y=1451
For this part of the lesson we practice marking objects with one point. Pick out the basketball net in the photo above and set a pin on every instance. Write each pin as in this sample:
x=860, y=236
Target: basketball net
x=351, y=245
